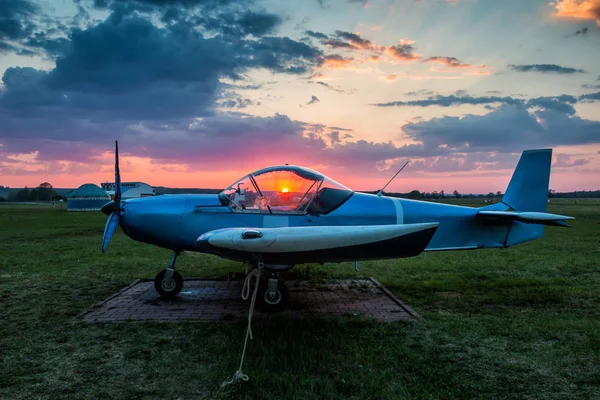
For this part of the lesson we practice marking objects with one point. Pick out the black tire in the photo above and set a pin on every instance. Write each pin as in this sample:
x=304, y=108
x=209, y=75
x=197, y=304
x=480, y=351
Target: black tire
x=168, y=292
x=265, y=303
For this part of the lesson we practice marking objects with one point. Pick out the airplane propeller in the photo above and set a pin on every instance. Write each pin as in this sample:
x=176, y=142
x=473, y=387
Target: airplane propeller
x=113, y=208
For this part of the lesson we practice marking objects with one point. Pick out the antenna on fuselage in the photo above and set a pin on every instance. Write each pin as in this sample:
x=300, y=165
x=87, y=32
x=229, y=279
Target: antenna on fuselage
x=380, y=193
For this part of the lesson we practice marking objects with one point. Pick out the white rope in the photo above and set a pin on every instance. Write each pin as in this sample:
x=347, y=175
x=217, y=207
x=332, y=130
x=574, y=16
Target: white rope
x=245, y=293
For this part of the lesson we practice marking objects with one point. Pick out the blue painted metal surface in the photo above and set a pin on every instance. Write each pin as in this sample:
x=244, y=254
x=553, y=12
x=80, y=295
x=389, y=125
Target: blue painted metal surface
x=177, y=221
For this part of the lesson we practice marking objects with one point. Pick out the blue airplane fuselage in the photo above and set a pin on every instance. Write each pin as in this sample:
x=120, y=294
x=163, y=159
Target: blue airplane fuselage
x=177, y=221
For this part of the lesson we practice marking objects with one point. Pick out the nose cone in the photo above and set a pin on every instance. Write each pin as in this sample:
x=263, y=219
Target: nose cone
x=110, y=207
x=154, y=220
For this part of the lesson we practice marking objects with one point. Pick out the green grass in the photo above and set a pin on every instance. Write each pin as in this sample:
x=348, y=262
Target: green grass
x=513, y=323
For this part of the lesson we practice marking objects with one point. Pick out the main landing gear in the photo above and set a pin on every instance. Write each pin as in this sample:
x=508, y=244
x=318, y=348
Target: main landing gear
x=168, y=283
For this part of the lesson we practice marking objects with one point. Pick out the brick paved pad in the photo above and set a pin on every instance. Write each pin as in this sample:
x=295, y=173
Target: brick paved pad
x=213, y=300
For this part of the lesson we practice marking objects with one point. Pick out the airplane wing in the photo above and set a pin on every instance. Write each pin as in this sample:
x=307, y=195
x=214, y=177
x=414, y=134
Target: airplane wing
x=526, y=217
x=319, y=243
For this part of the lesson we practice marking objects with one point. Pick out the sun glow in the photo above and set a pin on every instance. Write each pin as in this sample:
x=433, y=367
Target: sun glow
x=284, y=190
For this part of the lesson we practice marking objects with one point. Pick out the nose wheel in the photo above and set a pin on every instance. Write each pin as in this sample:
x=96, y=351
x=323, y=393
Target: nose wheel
x=166, y=287
x=273, y=294
x=168, y=283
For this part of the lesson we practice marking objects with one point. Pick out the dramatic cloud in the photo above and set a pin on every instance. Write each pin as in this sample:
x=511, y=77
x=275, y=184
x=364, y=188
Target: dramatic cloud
x=448, y=101
x=336, y=61
x=355, y=40
x=504, y=129
x=452, y=62
x=15, y=18
x=545, y=68
x=316, y=35
x=404, y=51
x=578, y=9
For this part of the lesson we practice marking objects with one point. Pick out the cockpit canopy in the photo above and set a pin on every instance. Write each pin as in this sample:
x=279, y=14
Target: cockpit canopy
x=285, y=189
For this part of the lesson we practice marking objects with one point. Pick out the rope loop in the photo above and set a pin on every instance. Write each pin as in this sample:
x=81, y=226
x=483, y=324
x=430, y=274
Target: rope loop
x=239, y=374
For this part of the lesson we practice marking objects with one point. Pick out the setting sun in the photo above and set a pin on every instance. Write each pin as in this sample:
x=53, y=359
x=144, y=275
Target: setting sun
x=284, y=190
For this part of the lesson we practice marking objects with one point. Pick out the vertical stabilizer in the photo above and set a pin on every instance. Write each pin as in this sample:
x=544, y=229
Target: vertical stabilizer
x=528, y=187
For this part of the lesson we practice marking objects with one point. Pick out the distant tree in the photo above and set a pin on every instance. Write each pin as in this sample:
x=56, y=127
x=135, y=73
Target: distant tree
x=456, y=194
x=499, y=193
x=23, y=194
x=442, y=194
x=44, y=192
x=551, y=193
x=415, y=194
x=490, y=195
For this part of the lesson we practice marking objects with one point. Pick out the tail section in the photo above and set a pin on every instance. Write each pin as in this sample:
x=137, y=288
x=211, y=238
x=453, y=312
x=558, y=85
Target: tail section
x=523, y=206
x=528, y=187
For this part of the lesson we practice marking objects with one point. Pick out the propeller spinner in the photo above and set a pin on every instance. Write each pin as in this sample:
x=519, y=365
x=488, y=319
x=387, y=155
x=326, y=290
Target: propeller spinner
x=113, y=208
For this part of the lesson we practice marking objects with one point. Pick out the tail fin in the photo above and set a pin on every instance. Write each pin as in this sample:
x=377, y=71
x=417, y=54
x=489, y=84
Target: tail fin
x=528, y=187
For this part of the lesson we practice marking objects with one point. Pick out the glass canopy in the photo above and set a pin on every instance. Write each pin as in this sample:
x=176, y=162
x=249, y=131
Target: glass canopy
x=285, y=189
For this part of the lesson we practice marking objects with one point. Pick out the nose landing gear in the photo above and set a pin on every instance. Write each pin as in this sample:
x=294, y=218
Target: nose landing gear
x=273, y=294
x=168, y=283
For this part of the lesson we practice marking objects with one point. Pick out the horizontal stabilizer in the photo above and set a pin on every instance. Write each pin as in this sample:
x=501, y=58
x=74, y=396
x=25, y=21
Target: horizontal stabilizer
x=526, y=217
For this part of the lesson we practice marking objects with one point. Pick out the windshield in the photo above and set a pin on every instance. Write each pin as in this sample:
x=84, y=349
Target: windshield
x=285, y=189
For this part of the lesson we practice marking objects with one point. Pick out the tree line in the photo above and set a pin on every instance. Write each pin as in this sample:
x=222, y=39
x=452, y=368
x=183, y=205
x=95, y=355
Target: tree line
x=43, y=192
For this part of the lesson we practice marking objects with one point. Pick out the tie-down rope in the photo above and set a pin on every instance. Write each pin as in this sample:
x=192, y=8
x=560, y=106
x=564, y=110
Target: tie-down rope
x=245, y=293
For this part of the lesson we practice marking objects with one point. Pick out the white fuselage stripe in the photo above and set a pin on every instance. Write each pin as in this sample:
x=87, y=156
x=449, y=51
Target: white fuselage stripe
x=399, y=211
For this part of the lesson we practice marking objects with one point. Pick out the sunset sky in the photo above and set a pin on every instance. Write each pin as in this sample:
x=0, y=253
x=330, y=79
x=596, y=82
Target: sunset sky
x=202, y=92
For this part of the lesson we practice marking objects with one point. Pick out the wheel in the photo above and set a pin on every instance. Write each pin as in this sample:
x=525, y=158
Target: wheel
x=168, y=291
x=266, y=302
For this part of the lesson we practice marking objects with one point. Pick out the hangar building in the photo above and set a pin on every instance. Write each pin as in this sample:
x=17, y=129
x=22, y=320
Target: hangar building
x=129, y=190
x=87, y=197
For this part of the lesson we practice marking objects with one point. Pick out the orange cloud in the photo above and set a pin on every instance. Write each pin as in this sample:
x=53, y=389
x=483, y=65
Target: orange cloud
x=337, y=61
x=391, y=78
x=404, y=51
x=453, y=62
x=578, y=9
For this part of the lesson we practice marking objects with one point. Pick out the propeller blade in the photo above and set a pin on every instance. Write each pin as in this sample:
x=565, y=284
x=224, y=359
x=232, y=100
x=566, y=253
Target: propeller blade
x=109, y=229
x=117, y=174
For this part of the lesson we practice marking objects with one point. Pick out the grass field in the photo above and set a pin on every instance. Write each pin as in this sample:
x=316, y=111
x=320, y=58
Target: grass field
x=512, y=323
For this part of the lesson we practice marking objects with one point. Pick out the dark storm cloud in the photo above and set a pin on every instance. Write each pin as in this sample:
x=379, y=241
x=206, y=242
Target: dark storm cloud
x=545, y=68
x=15, y=17
x=7, y=48
x=163, y=3
x=448, y=101
x=127, y=69
x=316, y=35
x=590, y=97
x=354, y=39
x=557, y=103
x=258, y=24
x=505, y=128
x=339, y=44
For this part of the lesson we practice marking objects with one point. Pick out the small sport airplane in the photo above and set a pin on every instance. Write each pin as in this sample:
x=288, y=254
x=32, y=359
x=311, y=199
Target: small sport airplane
x=281, y=216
